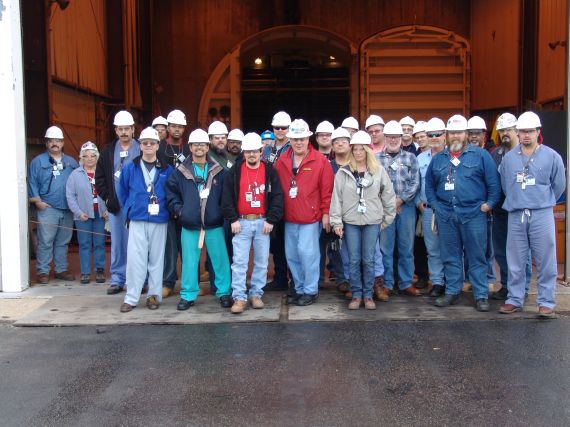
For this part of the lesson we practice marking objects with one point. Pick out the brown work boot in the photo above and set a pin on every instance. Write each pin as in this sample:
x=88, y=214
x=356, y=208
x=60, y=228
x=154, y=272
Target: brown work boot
x=238, y=306
x=125, y=308
x=152, y=303
x=355, y=304
x=348, y=295
x=256, y=302
x=509, y=309
x=166, y=292
x=65, y=275
x=545, y=312
x=383, y=295
x=43, y=279
x=411, y=291
x=369, y=304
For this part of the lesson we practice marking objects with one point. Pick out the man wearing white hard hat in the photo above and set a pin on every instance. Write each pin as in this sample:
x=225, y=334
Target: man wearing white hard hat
x=142, y=192
x=351, y=125
x=402, y=167
x=408, y=145
x=435, y=132
x=462, y=186
x=533, y=179
x=173, y=151
x=252, y=202
x=271, y=153
x=509, y=139
x=110, y=165
x=307, y=179
x=323, y=135
x=233, y=148
x=160, y=124
x=420, y=136
x=194, y=193
x=47, y=178
x=218, y=133
x=375, y=127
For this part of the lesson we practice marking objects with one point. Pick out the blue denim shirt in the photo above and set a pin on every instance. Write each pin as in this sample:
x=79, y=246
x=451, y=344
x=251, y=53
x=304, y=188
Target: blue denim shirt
x=424, y=159
x=545, y=166
x=475, y=181
x=404, y=175
x=44, y=184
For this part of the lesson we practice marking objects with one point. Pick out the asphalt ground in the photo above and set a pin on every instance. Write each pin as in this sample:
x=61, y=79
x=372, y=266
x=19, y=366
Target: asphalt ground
x=397, y=373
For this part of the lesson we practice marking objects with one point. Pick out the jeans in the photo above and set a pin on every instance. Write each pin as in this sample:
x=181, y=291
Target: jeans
x=401, y=233
x=378, y=260
x=435, y=265
x=216, y=245
x=335, y=261
x=500, y=227
x=119, y=242
x=145, y=259
x=55, y=229
x=91, y=239
x=471, y=235
x=251, y=233
x=345, y=262
x=533, y=230
x=361, y=241
x=171, y=251
x=303, y=256
x=490, y=253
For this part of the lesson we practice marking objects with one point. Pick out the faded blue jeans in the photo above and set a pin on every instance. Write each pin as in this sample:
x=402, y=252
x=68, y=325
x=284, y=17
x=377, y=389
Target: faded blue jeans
x=361, y=243
x=251, y=233
x=435, y=265
x=303, y=255
x=91, y=239
x=55, y=229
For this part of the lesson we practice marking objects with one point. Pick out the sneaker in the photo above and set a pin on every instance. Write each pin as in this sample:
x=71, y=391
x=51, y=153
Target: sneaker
x=184, y=304
x=306, y=299
x=65, y=275
x=369, y=304
x=43, y=279
x=125, y=308
x=115, y=289
x=238, y=306
x=354, y=304
x=256, y=302
x=100, y=276
x=152, y=302
x=85, y=278
x=482, y=304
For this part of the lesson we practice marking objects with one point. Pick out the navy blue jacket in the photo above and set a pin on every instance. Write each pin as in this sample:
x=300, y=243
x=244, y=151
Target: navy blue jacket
x=184, y=200
x=133, y=191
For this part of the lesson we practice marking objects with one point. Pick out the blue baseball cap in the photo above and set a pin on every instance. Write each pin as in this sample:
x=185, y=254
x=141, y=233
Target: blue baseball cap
x=268, y=135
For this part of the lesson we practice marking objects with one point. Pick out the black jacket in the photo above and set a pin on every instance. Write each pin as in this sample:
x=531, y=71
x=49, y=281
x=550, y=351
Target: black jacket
x=273, y=193
x=104, y=179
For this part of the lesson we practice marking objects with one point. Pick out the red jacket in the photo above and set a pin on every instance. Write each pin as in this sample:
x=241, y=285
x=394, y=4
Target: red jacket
x=314, y=187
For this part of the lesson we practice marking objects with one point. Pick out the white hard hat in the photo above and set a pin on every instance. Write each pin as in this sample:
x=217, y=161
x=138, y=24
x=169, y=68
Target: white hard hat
x=373, y=119
x=235, y=135
x=407, y=121
x=53, y=132
x=506, y=120
x=475, y=123
x=159, y=121
x=340, y=133
x=88, y=146
x=217, y=128
x=361, y=138
x=350, y=122
x=420, y=126
x=281, y=119
x=176, y=117
x=299, y=129
x=251, y=141
x=198, y=136
x=325, y=127
x=123, y=118
x=393, y=128
x=528, y=120
x=456, y=123
x=435, y=123
x=149, y=133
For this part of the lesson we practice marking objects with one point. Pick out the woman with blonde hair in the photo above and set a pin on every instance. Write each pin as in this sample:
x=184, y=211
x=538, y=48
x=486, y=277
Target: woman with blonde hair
x=363, y=199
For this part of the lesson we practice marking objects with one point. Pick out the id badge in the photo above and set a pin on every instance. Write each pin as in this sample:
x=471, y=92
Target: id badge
x=248, y=196
x=124, y=154
x=449, y=186
x=181, y=157
x=255, y=203
x=361, y=208
x=530, y=180
x=272, y=157
x=118, y=174
x=229, y=164
x=55, y=173
x=365, y=182
x=394, y=166
x=293, y=192
x=520, y=177
x=204, y=193
x=455, y=161
x=153, y=208
x=95, y=200
x=60, y=166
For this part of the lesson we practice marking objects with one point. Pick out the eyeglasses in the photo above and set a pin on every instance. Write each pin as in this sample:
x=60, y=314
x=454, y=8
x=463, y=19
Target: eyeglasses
x=393, y=137
x=280, y=127
x=434, y=134
x=147, y=143
x=199, y=144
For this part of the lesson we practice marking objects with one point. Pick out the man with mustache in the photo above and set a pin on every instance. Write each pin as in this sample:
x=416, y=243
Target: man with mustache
x=47, y=178
x=462, y=185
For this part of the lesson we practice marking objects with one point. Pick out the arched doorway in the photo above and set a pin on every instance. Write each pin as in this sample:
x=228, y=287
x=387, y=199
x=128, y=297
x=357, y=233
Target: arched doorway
x=307, y=71
x=414, y=70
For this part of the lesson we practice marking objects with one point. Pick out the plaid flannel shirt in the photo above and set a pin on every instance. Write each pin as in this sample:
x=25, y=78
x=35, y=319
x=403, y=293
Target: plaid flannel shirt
x=404, y=173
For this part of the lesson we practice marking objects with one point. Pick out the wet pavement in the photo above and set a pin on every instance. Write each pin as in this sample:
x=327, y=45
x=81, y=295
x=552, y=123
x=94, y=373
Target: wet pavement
x=401, y=373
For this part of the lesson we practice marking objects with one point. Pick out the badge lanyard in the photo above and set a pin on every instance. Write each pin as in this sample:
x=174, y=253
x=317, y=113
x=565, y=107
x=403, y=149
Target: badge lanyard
x=449, y=182
x=360, y=184
x=253, y=191
x=93, y=190
x=293, y=189
x=525, y=177
x=201, y=178
x=123, y=155
x=178, y=157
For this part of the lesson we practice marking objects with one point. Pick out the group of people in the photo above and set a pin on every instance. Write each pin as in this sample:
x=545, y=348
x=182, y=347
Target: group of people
x=362, y=203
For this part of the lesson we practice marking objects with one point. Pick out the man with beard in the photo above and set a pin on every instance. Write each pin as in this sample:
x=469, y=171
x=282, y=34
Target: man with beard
x=533, y=179
x=462, y=185
x=233, y=149
x=218, y=133
x=408, y=145
x=280, y=123
x=375, y=127
x=47, y=178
